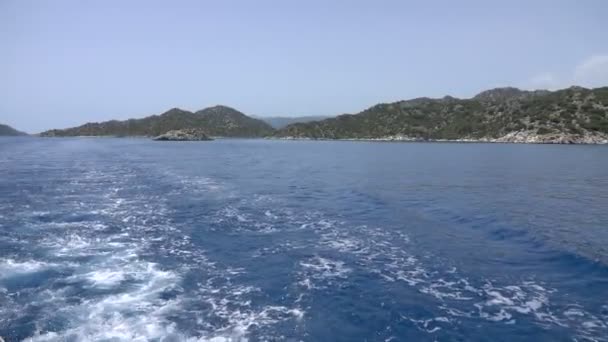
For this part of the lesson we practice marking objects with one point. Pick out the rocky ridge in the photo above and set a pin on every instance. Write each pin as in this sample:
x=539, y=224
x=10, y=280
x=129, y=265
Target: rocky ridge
x=573, y=115
x=215, y=121
x=6, y=130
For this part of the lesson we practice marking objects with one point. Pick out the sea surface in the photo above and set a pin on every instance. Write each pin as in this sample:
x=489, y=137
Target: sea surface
x=261, y=240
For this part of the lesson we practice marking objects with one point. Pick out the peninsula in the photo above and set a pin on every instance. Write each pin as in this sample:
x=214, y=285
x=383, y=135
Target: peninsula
x=572, y=115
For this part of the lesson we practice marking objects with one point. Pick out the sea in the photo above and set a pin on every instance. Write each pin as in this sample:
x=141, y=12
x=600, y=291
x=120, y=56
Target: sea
x=124, y=239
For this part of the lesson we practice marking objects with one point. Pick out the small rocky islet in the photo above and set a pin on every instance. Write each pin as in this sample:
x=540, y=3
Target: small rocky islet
x=187, y=134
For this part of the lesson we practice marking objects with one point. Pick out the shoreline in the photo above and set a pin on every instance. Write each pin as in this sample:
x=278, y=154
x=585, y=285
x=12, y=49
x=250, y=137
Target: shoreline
x=532, y=140
x=460, y=141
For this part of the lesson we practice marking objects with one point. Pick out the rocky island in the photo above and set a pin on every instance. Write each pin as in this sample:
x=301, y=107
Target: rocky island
x=187, y=134
x=219, y=121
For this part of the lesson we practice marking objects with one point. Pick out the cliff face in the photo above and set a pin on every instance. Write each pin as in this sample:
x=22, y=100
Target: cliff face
x=216, y=121
x=575, y=114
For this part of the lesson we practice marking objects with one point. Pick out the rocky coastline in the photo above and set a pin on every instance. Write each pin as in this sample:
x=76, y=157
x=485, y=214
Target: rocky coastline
x=187, y=134
x=518, y=137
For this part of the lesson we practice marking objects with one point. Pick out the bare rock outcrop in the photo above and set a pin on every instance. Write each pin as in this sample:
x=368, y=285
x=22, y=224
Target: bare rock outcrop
x=187, y=134
x=532, y=137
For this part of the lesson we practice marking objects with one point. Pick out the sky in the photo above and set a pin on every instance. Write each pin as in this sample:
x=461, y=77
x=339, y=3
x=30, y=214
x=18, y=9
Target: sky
x=67, y=62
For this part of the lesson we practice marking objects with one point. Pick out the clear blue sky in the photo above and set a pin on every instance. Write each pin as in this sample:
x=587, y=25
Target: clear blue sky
x=63, y=63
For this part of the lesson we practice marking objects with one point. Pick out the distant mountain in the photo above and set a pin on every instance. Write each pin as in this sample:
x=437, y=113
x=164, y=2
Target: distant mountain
x=6, y=130
x=572, y=115
x=278, y=122
x=215, y=121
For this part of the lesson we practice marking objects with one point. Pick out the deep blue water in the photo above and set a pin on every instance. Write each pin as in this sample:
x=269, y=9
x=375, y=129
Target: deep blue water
x=130, y=239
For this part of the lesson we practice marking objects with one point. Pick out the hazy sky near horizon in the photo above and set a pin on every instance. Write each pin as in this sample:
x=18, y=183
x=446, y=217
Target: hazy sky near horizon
x=67, y=62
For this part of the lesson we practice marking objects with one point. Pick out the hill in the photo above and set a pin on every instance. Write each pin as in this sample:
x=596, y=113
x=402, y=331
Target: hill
x=215, y=121
x=572, y=115
x=9, y=131
x=278, y=122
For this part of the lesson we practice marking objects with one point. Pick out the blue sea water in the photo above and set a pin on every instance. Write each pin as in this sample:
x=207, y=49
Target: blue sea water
x=233, y=240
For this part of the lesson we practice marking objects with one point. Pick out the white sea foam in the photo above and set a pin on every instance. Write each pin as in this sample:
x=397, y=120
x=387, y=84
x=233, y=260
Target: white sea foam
x=323, y=268
x=385, y=253
x=105, y=278
x=74, y=241
x=11, y=267
x=574, y=312
x=230, y=213
x=270, y=215
x=431, y=325
x=145, y=297
x=139, y=307
x=136, y=313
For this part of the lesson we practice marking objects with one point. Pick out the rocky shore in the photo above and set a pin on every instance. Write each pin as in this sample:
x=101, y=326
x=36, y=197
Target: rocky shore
x=530, y=137
x=187, y=134
x=519, y=137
